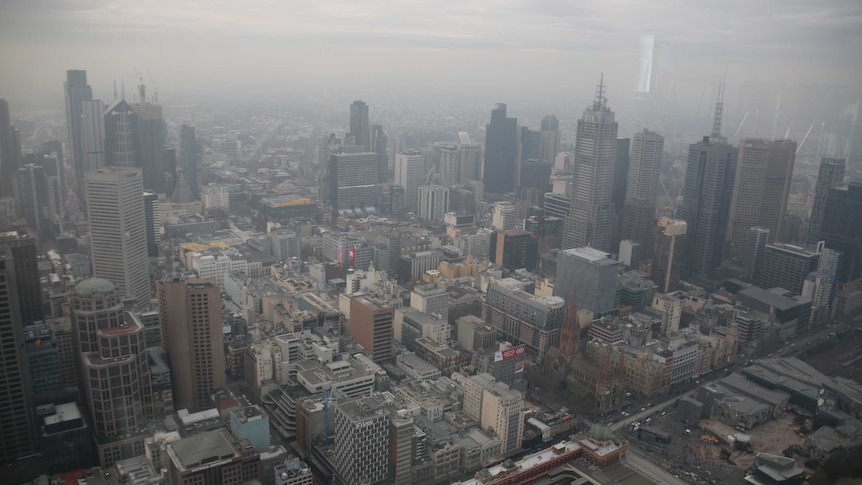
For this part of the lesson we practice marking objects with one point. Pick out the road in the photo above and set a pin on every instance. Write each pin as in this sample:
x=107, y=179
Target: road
x=636, y=460
x=639, y=416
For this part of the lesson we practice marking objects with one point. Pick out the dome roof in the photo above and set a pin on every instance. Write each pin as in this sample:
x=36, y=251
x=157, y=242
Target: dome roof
x=91, y=286
x=600, y=432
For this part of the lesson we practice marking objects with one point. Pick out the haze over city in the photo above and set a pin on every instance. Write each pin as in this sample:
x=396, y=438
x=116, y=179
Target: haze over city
x=430, y=243
x=546, y=51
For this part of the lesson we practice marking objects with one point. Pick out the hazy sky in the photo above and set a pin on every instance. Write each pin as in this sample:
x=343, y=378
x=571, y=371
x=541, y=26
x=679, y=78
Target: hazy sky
x=502, y=49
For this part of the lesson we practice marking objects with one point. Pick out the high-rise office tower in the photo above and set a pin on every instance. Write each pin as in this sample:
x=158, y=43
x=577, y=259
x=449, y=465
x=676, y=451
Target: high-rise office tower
x=638, y=221
x=530, y=146
x=93, y=135
x=353, y=181
x=831, y=175
x=149, y=139
x=450, y=165
x=514, y=249
x=113, y=367
x=371, y=326
x=501, y=151
x=591, y=219
x=522, y=318
x=16, y=411
x=535, y=174
x=8, y=152
x=670, y=246
x=190, y=318
x=550, y=139
x=707, y=196
x=378, y=146
x=153, y=222
x=760, y=191
x=32, y=194
x=842, y=228
x=470, y=158
x=121, y=127
x=187, y=159
x=621, y=177
x=169, y=165
x=647, y=153
x=786, y=266
x=28, y=291
x=118, y=231
x=433, y=202
x=360, y=127
x=77, y=91
x=409, y=173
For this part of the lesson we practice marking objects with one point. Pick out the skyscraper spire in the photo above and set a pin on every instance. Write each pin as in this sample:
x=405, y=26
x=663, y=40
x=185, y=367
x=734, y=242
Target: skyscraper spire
x=600, y=104
x=719, y=111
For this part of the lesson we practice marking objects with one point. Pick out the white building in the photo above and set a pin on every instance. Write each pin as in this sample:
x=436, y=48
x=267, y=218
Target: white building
x=215, y=196
x=505, y=216
x=216, y=267
x=433, y=202
x=409, y=173
x=475, y=245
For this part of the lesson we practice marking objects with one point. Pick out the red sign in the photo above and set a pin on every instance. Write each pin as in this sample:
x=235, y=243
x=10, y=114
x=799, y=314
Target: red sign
x=509, y=353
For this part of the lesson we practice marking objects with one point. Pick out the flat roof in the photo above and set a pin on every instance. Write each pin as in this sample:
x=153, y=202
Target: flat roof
x=203, y=449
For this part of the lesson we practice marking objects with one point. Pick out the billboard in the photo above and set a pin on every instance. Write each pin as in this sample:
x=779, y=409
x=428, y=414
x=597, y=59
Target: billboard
x=509, y=353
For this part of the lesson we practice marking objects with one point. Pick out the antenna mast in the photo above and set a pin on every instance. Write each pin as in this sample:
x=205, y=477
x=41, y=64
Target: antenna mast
x=600, y=102
x=719, y=112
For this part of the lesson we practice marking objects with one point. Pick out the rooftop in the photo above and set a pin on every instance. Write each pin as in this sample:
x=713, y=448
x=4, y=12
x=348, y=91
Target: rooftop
x=91, y=286
x=202, y=449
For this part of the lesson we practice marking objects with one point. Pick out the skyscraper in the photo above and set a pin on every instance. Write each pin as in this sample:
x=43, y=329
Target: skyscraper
x=149, y=140
x=707, y=196
x=360, y=128
x=8, y=153
x=187, y=159
x=77, y=91
x=550, y=139
x=647, y=153
x=32, y=194
x=113, y=367
x=760, y=191
x=190, y=318
x=501, y=147
x=353, y=181
x=93, y=135
x=842, y=228
x=831, y=175
x=16, y=411
x=121, y=126
x=152, y=220
x=378, y=146
x=409, y=173
x=28, y=291
x=118, y=233
x=591, y=219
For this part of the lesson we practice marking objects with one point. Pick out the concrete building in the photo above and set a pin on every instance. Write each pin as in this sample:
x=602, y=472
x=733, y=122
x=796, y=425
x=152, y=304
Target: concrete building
x=110, y=341
x=353, y=182
x=669, y=254
x=431, y=299
x=410, y=173
x=760, y=191
x=475, y=245
x=286, y=245
x=371, y=326
x=550, y=139
x=842, y=228
x=647, y=153
x=251, y=424
x=591, y=218
x=118, y=231
x=27, y=290
x=590, y=273
x=514, y=249
x=215, y=196
x=211, y=457
x=362, y=431
x=190, y=317
x=785, y=266
x=522, y=318
x=505, y=216
x=433, y=203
